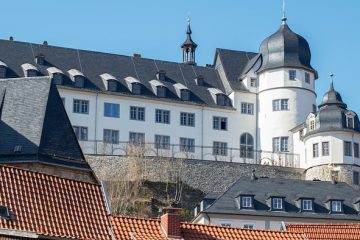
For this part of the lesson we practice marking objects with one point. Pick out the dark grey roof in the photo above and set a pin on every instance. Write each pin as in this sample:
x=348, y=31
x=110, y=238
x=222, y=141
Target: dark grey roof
x=332, y=114
x=33, y=117
x=292, y=190
x=234, y=63
x=285, y=48
x=93, y=64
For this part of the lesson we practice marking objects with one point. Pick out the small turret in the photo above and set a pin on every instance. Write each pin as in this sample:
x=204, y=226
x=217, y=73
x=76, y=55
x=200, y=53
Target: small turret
x=189, y=47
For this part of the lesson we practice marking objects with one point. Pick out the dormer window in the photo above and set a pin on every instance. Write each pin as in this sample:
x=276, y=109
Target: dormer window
x=77, y=77
x=56, y=75
x=307, y=205
x=136, y=88
x=253, y=82
x=292, y=75
x=312, y=124
x=40, y=59
x=134, y=85
x=110, y=82
x=350, y=121
x=158, y=88
x=29, y=70
x=199, y=80
x=277, y=203
x=182, y=91
x=246, y=201
x=4, y=212
x=336, y=206
x=3, y=69
x=161, y=75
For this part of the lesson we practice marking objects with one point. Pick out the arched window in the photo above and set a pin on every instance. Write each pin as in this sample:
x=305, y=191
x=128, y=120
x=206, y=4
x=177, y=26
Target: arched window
x=246, y=146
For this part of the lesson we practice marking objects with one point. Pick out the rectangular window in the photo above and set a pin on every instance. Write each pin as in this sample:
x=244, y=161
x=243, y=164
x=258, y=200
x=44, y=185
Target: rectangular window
x=247, y=108
x=277, y=203
x=356, y=150
x=253, y=82
x=111, y=136
x=162, y=142
x=325, y=148
x=187, y=145
x=307, y=204
x=111, y=110
x=350, y=122
x=307, y=77
x=315, y=150
x=220, y=123
x=249, y=225
x=356, y=178
x=246, y=202
x=280, y=144
x=312, y=125
x=81, y=106
x=292, y=74
x=220, y=148
x=162, y=116
x=280, y=104
x=225, y=224
x=81, y=133
x=336, y=206
x=136, y=138
x=187, y=119
x=347, y=148
x=137, y=113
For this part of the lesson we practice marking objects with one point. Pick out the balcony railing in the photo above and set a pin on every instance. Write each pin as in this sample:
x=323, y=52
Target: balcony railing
x=195, y=152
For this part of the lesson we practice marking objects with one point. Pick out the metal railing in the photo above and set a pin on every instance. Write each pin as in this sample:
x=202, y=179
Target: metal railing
x=195, y=152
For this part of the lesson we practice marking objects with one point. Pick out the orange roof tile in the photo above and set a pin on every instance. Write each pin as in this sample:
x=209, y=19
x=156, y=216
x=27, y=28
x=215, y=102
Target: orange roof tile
x=327, y=231
x=128, y=228
x=52, y=206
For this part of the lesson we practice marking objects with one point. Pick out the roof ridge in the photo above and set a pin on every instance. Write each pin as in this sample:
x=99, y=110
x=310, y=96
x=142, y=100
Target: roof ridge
x=137, y=218
x=46, y=174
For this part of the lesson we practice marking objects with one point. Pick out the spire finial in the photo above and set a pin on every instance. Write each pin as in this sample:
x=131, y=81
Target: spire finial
x=332, y=81
x=283, y=19
x=188, y=20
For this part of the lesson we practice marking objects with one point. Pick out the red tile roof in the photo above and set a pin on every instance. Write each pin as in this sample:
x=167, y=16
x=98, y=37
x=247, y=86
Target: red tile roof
x=53, y=206
x=128, y=228
x=327, y=231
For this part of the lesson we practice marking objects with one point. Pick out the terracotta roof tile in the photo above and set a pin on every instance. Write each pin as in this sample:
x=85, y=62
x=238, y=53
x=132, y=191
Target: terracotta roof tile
x=128, y=228
x=53, y=206
x=327, y=231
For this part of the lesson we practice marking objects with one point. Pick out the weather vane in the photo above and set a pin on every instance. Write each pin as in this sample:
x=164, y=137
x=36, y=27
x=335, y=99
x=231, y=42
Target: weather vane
x=283, y=10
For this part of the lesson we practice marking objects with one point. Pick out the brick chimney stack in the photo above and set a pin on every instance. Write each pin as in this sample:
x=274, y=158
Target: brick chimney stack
x=170, y=222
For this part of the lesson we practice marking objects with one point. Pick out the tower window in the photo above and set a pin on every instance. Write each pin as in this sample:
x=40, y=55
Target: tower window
x=253, y=82
x=350, y=122
x=312, y=125
x=315, y=150
x=356, y=178
x=280, y=104
x=325, y=148
x=347, y=149
x=356, y=150
x=280, y=144
x=307, y=77
x=292, y=74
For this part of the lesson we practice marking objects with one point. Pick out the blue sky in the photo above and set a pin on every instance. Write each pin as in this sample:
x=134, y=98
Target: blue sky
x=156, y=28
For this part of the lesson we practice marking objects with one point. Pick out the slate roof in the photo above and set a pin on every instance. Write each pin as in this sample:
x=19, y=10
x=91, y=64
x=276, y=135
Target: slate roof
x=292, y=190
x=128, y=228
x=327, y=231
x=52, y=206
x=234, y=64
x=93, y=64
x=33, y=117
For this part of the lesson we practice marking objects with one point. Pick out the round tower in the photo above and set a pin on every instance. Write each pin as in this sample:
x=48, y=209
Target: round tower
x=286, y=91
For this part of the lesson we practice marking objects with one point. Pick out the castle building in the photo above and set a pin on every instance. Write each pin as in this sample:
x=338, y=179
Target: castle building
x=246, y=107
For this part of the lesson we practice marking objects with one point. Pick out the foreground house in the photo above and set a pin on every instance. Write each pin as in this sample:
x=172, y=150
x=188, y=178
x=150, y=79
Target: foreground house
x=170, y=227
x=264, y=203
x=327, y=231
x=47, y=189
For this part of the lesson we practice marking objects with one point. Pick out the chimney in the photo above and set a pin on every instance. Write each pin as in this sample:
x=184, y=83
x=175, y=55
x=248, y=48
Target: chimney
x=170, y=222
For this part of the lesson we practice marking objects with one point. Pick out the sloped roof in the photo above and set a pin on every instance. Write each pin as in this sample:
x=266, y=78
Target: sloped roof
x=33, y=117
x=234, y=63
x=292, y=190
x=93, y=64
x=327, y=231
x=128, y=228
x=52, y=206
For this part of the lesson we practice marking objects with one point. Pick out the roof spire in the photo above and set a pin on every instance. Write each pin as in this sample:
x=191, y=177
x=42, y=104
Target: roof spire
x=283, y=19
x=332, y=81
x=189, y=46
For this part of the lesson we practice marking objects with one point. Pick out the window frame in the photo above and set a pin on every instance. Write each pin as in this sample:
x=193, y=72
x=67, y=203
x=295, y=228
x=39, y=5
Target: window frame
x=160, y=143
x=162, y=116
x=275, y=204
x=187, y=119
x=315, y=150
x=283, y=146
x=356, y=150
x=221, y=150
x=334, y=204
x=111, y=140
x=349, y=152
x=356, y=178
x=136, y=139
x=249, y=198
x=218, y=123
x=307, y=77
x=247, y=108
x=292, y=75
x=135, y=113
x=79, y=107
x=350, y=122
x=113, y=109
x=185, y=146
x=280, y=104
x=78, y=130
x=307, y=200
